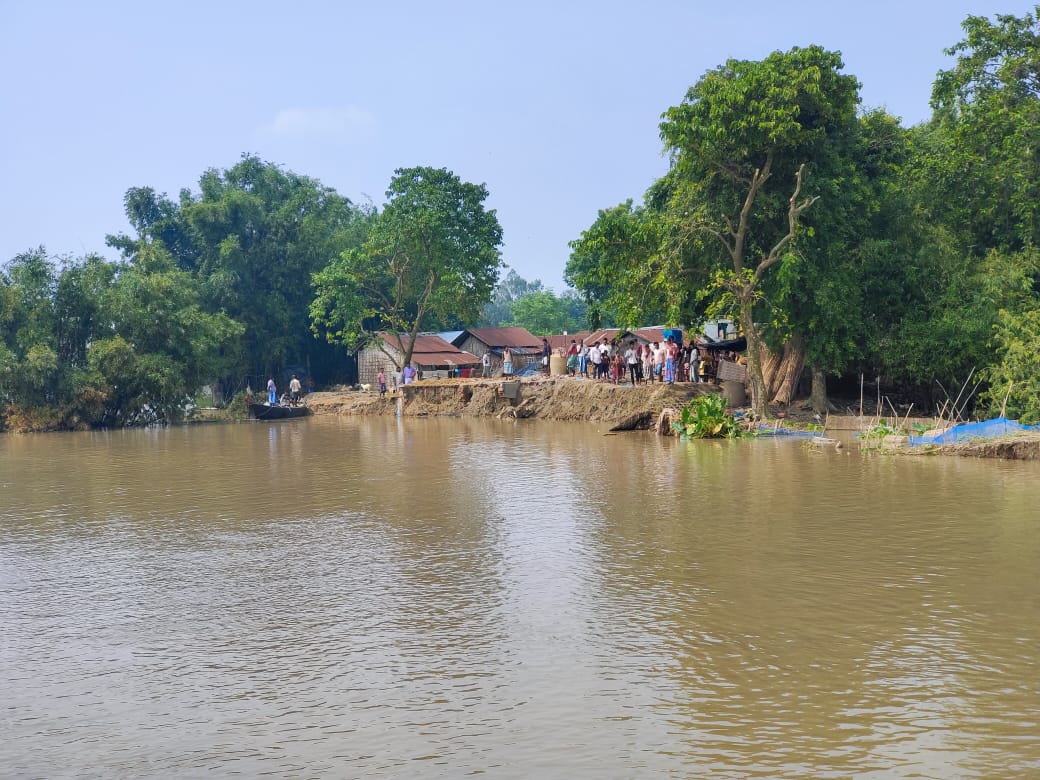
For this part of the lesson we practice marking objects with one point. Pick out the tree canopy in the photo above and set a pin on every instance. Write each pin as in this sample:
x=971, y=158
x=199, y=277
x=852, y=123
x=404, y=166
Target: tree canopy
x=748, y=145
x=253, y=236
x=432, y=254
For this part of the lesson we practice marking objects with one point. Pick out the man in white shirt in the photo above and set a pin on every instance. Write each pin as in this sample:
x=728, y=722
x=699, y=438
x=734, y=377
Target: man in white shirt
x=630, y=361
x=595, y=356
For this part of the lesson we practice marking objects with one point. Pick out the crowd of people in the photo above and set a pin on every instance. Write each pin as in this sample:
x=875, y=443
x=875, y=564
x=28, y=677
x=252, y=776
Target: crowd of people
x=668, y=362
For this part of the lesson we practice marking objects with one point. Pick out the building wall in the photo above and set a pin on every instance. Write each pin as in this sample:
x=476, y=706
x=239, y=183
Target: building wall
x=477, y=347
x=371, y=359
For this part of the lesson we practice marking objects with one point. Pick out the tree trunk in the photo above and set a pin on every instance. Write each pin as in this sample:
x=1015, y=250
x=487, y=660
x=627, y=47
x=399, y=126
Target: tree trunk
x=818, y=398
x=771, y=362
x=754, y=355
x=789, y=372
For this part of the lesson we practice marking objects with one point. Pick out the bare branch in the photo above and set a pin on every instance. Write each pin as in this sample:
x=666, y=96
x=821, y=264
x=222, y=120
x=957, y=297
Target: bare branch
x=729, y=227
x=722, y=239
x=758, y=180
x=794, y=210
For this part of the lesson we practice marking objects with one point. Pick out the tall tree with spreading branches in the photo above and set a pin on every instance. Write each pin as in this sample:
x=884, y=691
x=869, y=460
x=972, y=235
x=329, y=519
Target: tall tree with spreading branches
x=432, y=254
x=743, y=145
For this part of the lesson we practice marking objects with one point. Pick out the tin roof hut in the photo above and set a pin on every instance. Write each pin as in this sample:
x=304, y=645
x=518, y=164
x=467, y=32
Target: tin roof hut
x=430, y=353
x=524, y=346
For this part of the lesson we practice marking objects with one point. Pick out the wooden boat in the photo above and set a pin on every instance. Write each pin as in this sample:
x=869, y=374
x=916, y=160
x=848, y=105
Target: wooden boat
x=277, y=411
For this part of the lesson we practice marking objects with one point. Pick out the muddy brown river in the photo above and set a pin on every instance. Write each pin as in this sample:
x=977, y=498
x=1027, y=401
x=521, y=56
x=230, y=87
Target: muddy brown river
x=420, y=598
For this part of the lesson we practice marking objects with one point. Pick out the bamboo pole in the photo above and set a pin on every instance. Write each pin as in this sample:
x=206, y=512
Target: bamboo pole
x=958, y=399
x=1007, y=395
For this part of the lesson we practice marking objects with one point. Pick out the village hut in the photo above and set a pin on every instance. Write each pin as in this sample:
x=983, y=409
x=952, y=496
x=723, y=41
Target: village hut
x=525, y=347
x=431, y=354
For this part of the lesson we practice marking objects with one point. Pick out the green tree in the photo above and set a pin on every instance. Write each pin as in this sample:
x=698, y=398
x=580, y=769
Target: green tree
x=433, y=252
x=987, y=108
x=743, y=146
x=29, y=367
x=498, y=311
x=1013, y=383
x=973, y=183
x=253, y=236
x=47, y=320
x=626, y=274
x=855, y=246
x=544, y=313
x=157, y=345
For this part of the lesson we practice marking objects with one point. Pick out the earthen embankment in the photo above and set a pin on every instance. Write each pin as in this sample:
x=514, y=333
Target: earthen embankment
x=556, y=398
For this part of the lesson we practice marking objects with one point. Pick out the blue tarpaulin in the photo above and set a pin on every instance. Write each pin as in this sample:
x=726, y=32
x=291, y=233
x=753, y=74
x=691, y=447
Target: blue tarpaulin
x=987, y=429
x=769, y=430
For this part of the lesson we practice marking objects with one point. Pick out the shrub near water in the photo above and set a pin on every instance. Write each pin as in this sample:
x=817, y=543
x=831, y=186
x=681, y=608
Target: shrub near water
x=705, y=417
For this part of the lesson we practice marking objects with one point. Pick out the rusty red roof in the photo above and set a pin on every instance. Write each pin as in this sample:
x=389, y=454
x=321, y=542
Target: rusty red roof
x=651, y=334
x=456, y=358
x=432, y=350
x=603, y=333
x=506, y=337
x=648, y=335
x=564, y=340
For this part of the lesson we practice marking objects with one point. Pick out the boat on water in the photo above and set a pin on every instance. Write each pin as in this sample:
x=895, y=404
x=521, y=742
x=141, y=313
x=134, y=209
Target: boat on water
x=277, y=411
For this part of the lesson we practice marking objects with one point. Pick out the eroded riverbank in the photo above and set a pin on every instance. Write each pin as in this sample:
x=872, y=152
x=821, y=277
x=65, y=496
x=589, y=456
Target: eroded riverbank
x=557, y=398
x=623, y=406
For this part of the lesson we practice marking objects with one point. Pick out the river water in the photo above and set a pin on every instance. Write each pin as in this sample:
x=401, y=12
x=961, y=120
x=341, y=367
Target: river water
x=359, y=597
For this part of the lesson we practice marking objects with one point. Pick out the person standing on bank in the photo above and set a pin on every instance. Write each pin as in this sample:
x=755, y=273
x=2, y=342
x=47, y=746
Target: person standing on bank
x=507, y=362
x=632, y=362
x=485, y=362
x=546, y=354
x=583, y=359
x=381, y=378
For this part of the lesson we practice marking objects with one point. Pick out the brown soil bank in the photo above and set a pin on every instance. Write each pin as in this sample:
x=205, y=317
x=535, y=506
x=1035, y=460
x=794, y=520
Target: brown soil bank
x=1024, y=446
x=558, y=398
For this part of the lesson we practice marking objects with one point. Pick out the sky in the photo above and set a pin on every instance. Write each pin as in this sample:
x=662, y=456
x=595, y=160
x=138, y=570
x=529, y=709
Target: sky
x=555, y=106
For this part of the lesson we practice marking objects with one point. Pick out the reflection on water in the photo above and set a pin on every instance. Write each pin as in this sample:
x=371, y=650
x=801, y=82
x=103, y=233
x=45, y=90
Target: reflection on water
x=424, y=598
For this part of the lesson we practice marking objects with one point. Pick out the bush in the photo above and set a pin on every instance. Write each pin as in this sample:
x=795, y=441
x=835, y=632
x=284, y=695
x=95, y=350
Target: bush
x=706, y=417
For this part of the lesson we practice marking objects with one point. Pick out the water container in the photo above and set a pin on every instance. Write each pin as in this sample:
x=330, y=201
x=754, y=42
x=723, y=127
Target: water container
x=734, y=392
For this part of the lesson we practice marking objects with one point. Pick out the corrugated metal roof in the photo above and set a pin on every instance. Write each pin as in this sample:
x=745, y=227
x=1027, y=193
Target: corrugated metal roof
x=424, y=342
x=603, y=333
x=456, y=358
x=506, y=337
x=451, y=336
x=563, y=341
x=432, y=350
x=649, y=335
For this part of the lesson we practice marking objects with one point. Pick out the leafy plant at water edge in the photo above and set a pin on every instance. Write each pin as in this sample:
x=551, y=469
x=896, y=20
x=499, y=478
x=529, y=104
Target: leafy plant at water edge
x=705, y=417
x=874, y=438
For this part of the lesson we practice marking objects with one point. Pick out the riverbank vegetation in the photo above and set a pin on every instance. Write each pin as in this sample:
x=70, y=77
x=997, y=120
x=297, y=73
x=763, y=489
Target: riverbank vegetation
x=707, y=417
x=839, y=239
x=845, y=241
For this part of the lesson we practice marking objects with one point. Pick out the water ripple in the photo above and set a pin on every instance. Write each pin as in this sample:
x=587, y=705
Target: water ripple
x=439, y=598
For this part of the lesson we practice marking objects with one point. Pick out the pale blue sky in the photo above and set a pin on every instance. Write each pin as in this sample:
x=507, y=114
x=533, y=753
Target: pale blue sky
x=554, y=105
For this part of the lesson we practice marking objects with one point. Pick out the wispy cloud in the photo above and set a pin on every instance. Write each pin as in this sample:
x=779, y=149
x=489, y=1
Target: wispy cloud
x=345, y=124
